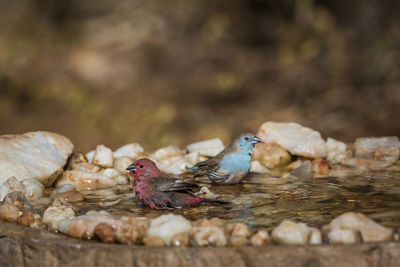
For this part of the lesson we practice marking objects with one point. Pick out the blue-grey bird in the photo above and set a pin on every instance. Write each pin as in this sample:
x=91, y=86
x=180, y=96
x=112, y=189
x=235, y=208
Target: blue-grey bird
x=231, y=164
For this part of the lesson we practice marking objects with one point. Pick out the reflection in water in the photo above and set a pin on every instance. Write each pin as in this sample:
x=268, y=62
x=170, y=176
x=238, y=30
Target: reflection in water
x=265, y=201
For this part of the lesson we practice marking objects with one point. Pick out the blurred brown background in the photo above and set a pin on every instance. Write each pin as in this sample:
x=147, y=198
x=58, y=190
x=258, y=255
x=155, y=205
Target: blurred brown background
x=177, y=71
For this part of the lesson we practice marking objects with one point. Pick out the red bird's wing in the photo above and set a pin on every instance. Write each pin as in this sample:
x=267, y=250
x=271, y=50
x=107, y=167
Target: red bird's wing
x=166, y=182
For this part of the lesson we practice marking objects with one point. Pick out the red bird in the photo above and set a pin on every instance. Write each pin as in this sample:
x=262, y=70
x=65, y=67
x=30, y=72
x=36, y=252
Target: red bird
x=159, y=190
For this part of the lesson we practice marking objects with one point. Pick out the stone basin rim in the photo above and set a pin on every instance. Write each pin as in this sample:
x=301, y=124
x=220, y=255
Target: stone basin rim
x=21, y=245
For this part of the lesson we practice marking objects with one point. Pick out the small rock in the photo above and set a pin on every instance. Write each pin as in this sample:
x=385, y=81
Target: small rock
x=90, y=156
x=261, y=237
x=358, y=222
x=379, y=148
x=53, y=215
x=206, y=192
x=209, y=148
x=166, y=152
x=26, y=219
x=298, y=140
x=208, y=235
x=175, y=165
x=342, y=236
x=180, y=240
x=40, y=155
x=238, y=234
x=105, y=232
x=315, y=237
x=103, y=157
x=320, y=166
x=12, y=184
x=291, y=233
x=121, y=163
x=83, y=226
x=32, y=188
x=303, y=172
x=271, y=155
x=9, y=213
x=170, y=160
x=365, y=164
x=166, y=226
x=257, y=167
x=133, y=151
x=154, y=241
x=337, y=150
x=132, y=230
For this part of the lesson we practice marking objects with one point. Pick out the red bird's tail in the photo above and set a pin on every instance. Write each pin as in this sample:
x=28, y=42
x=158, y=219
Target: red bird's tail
x=217, y=201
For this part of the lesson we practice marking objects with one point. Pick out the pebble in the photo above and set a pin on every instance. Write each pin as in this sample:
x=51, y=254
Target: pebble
x=271, y=155
x=359, y=223
x=133, y=151
x=379, y=148
x=295, y=138
x=168, y=225
x=208, y=236
x=261, y=237
x=337, y=150
x=103, y=157
x=209, y=148
x=53, y=215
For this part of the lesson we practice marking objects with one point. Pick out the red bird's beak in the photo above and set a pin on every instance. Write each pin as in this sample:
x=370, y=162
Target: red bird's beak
x=131, y=168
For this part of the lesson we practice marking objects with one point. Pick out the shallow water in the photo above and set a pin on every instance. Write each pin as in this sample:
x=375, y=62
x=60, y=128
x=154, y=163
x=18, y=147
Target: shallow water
x=264, y=201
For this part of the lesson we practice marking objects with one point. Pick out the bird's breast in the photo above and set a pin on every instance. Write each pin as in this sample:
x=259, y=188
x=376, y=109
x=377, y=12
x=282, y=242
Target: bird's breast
x=236, y=162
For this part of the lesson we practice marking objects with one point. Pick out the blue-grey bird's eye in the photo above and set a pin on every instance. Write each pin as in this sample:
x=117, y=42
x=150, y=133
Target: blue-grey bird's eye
x=246, y=138
x=141, y=166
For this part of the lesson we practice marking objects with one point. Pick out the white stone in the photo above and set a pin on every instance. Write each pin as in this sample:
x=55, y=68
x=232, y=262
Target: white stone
x=174, y=165
x=379, y=148
x=291, y=233
x=166, y=152
x=337, y=150
x=40, y=155
x=132, y=150
x=370, y=230
x=208, y=148
x=90, y=156
x=53, y=215
x=342, y=236
x=121, y=163
x=315, y=237
x=208, y=235
x=10, y=185
x=103, y=157
x=166, y=226
x=298, y=140
x=33, y=188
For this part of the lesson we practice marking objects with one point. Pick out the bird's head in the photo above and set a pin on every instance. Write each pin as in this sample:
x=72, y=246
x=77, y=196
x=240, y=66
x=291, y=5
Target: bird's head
x=144, y=168
x=245, y=142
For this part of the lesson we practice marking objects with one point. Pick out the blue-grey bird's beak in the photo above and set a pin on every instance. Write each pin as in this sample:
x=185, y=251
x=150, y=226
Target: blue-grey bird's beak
x=256, y=140
x=131, y=168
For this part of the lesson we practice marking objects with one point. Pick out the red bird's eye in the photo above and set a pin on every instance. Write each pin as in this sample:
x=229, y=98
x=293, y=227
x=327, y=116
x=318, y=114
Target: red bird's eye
x=141, y=166
x=246, y=138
